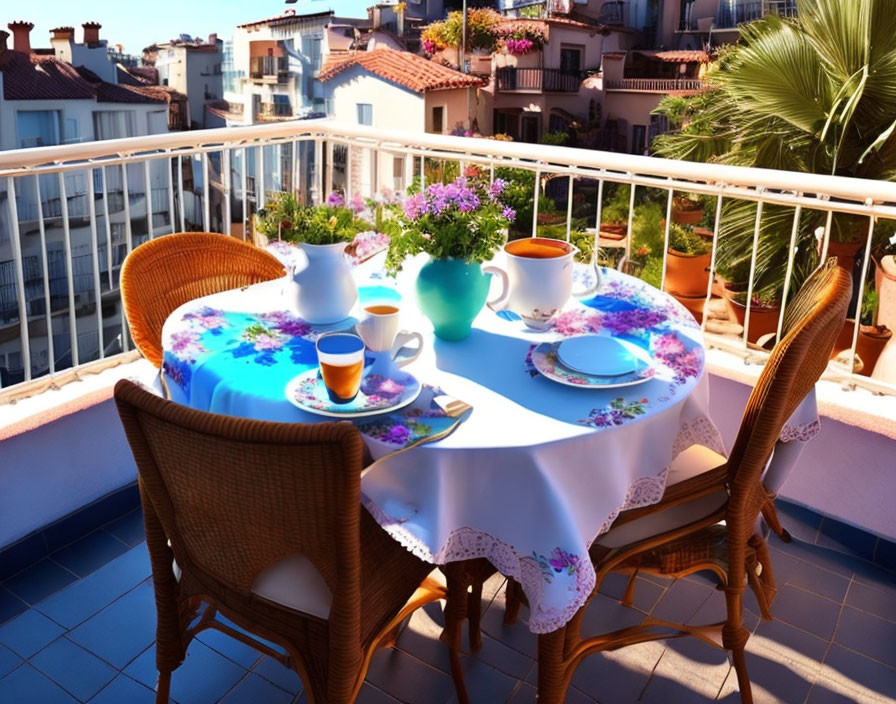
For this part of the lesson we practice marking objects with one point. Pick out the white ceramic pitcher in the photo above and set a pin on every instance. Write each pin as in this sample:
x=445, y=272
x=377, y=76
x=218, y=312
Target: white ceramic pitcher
x=538, y=281
x=325, y=290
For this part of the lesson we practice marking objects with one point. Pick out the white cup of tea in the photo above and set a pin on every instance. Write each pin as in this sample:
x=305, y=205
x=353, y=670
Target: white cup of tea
x=538, y=280
x=379, y=327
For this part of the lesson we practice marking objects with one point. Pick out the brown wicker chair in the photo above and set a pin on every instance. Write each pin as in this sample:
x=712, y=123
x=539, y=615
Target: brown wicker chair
x=263, y=523
x=684, y=534
x=167, y=272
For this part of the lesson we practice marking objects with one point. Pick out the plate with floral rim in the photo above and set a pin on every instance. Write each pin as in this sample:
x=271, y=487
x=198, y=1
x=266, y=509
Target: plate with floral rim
x=546, y=361
x=378, y=394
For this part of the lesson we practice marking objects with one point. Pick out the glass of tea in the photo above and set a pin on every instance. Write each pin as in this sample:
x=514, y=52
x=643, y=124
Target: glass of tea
x=341, y=358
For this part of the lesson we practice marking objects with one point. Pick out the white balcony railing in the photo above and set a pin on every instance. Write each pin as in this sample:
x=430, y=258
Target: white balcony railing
x=214, y=180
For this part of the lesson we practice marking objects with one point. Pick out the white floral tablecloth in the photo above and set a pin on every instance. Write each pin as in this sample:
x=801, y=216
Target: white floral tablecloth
x=536, y=472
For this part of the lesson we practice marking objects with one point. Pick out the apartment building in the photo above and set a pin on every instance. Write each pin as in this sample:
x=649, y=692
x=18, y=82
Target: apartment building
x=45, y=100
x=192, y=67
x=387, y=88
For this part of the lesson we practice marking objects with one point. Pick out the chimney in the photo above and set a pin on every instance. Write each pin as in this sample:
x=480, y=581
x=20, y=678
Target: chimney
x=65, y=34
x=3, y=37
x=91, y=33
x=213, y=38
x=21, y=40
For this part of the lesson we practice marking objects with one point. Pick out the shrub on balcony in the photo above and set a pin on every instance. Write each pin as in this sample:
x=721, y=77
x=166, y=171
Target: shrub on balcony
x=518, y=41
x=285, y=218
x=815, y=93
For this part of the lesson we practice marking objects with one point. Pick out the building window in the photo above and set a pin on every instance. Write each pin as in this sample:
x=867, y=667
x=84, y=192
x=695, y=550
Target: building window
x=398, y=173
x=438, y=119
x=639, y=137
x=113, y=124
x=365, y=114
x=571, y=59
x=37, y=128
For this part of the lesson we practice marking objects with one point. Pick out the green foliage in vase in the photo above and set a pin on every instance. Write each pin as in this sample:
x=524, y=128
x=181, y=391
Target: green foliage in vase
x=464, y=220
x=283, y=217
x=815, y=93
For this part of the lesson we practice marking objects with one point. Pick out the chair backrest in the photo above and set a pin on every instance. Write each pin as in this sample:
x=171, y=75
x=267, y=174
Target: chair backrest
x=797, y=361
x=235, y=496
x=167, y=272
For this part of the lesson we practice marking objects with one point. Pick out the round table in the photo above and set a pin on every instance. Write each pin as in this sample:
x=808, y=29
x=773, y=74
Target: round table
x=535, y=473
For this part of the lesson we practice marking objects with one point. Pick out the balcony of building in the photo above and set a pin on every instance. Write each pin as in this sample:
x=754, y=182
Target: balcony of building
x=274, y=111
x=77, y=619
x=269, y=69
x=538, y=80
x=684, y=86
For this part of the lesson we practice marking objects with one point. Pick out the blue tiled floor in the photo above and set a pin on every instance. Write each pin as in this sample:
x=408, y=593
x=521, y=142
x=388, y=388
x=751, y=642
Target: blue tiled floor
x=86, y=635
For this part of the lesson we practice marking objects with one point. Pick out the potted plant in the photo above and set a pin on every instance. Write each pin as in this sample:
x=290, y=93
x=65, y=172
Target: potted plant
x=687, y=209
x=872, y=337
x=459, y=225
x=764, y=312
x=614, y=215
x=325, y=290
x=687, y=263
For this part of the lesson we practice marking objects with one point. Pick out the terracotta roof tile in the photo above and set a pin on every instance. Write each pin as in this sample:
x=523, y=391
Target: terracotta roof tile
x=41, y=77
x=112, y=93
x=402, y=67
x=288, y=16
x=38, y=77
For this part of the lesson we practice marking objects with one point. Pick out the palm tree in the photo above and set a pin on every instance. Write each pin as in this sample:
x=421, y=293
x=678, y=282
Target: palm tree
x=814, y=93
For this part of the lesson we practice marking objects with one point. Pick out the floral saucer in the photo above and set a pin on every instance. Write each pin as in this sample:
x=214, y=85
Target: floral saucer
x=545, y=360
x=378, y=394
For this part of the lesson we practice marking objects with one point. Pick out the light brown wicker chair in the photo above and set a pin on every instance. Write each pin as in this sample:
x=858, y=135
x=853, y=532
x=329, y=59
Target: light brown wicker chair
x=684, y=533
x=263, y=523
x=167, y=272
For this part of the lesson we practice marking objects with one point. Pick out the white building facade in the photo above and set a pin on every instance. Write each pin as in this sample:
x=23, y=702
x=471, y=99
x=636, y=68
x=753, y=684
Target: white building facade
x=45, y=101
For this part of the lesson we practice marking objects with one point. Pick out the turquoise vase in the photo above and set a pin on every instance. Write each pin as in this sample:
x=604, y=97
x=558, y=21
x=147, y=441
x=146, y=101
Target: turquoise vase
x=451, y=292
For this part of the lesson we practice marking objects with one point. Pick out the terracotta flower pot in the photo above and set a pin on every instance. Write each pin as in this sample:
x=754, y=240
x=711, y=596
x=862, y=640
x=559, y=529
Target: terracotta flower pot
x=687, y=274
x=694, y=304
x=762, y=320
x=869, y=345
x=686, y=216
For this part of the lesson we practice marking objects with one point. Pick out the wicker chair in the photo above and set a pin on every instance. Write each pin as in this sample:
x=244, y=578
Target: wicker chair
x=263, y=523
x=167, y=272
x=684, y=533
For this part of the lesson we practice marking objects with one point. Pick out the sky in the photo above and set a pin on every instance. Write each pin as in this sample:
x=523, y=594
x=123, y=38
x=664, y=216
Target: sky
x=138, y=23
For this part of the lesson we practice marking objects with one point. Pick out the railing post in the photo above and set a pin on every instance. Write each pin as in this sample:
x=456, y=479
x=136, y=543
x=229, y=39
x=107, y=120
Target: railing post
x=51, y=357
x=147, y=198
x=94, y=240
x=20, y=277
x=206, y=206
x=67, y=247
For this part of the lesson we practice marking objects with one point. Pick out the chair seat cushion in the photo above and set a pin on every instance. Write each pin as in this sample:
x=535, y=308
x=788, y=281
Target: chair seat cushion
x=294, y=582
x=697, y=459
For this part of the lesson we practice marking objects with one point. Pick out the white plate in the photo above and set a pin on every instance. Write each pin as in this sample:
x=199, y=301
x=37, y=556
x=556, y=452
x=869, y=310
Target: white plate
x=544, y=357
x=599, y=355
x=378, y=395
